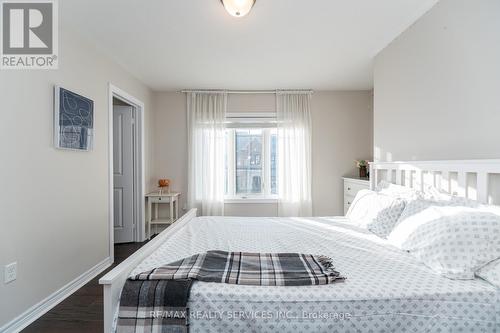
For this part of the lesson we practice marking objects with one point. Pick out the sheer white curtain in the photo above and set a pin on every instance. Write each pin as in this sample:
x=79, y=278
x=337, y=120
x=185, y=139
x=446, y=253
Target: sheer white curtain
x=294, y=153
x=206, y=145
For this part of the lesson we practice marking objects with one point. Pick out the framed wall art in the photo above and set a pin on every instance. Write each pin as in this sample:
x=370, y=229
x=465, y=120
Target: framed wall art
x=73, y=120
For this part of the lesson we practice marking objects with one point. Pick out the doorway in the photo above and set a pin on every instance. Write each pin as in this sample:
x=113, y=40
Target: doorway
x=126, y=160
x=123, y=171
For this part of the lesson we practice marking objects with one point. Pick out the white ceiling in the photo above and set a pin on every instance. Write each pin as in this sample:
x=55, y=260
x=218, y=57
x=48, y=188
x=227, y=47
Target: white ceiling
x=175, y=44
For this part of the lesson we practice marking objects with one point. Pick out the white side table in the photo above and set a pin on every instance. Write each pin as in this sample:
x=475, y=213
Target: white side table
x=172, y=199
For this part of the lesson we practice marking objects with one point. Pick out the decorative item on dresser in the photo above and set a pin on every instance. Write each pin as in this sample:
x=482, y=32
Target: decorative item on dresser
x=352, y=185
x=171, y=198
x=362, y=165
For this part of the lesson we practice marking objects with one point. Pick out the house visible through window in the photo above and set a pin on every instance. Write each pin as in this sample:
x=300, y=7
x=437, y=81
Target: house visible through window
x=251, y=162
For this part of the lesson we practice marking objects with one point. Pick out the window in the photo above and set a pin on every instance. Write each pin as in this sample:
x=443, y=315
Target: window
x=251, y=162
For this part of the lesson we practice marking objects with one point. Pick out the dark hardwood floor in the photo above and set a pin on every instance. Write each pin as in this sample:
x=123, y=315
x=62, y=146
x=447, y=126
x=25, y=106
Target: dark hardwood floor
x=83, y=310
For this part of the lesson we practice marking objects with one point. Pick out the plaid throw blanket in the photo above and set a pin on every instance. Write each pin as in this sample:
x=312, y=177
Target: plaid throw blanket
x=155, y=301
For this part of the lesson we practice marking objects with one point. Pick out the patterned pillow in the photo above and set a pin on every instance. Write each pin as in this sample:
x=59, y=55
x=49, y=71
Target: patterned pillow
x=414, y=207
x=376, y=212
x=491, y=273
x=454, y=241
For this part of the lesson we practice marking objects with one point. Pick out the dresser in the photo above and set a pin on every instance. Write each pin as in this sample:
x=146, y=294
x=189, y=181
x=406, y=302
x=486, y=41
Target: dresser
x=352, y=185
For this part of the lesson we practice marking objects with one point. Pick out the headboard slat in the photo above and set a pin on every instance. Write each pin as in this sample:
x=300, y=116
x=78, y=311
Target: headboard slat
x=445, y=181
x=388, y=175
x=398, y=176
x=462, y=184
x=408, y=178
x=482, y=187
x=419, y=180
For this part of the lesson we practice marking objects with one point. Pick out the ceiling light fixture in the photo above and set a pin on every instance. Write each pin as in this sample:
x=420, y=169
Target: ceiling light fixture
x=238, y=8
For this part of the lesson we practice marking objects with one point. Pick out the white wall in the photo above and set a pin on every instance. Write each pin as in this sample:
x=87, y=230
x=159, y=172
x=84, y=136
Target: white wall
x=170, y=157
x=54, y=203
x=342, y=132
x=437, y=86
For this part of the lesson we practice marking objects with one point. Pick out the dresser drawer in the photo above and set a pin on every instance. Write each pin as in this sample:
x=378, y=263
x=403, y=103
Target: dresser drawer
x=348, y=200
x=159, y=199
x=346, y=208
x=351, y=189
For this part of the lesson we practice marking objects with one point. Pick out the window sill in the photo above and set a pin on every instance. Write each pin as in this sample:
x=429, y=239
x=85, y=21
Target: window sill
x=251, y=200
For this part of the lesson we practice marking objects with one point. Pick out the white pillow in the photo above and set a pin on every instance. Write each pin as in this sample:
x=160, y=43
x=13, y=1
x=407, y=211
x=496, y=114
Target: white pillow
x=491, y=273
x=433, y=193
x=454, y=241
x=430, y=193
x=376, y=212
x=461, y=201
x=397, y=191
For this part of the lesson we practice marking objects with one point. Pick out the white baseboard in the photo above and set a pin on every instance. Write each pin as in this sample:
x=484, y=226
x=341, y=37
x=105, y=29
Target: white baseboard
x=39, y=309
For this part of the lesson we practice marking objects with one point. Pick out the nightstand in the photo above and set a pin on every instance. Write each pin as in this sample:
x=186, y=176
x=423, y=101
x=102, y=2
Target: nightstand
x=155, y=198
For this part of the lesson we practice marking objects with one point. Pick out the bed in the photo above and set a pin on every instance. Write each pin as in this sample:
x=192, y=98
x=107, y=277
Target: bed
x=386, y=288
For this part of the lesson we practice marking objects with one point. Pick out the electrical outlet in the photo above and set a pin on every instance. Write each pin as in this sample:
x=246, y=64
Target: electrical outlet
x=10, y=272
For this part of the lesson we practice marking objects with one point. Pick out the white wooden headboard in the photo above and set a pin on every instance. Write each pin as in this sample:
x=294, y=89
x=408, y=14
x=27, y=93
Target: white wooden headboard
x=467, y=178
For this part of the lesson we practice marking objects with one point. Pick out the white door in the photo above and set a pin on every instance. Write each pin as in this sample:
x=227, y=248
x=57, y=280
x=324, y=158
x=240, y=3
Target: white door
x=123, y=173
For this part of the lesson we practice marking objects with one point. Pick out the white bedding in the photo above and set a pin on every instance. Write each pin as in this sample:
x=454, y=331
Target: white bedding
x=386, y=289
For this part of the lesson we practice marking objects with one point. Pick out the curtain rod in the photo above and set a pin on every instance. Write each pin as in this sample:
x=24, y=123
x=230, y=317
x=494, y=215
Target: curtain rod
x=249, y=91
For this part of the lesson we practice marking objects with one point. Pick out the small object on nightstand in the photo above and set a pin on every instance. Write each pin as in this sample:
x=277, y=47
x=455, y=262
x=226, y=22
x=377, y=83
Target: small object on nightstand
x=172, y=199
x=352, y=185
x=162, y=183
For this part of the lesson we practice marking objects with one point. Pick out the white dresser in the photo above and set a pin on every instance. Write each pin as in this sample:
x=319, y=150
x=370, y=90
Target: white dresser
x=352, y=185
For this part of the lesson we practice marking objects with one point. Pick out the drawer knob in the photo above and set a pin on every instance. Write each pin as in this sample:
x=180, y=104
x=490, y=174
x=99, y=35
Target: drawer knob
x=348, y=203
x=348, y=188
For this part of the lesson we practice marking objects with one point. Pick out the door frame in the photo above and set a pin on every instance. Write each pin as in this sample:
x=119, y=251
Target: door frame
x=139, y=165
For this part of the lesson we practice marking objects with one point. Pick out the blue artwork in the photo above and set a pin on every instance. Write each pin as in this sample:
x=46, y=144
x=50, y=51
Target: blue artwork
x=73, y=121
